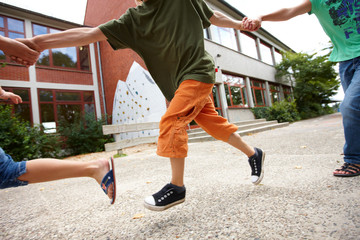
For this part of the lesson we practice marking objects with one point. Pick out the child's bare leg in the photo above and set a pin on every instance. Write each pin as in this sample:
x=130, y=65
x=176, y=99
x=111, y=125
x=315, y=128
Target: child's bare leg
x=47, y=169
x=236, y=141
x=256, y=157
x=177, y=168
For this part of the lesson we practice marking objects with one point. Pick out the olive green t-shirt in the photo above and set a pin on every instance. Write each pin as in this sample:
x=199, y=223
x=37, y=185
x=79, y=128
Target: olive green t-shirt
x=168, y=35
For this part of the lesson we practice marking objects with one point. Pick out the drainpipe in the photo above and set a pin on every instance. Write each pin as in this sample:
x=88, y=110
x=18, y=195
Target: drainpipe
x=101, y=79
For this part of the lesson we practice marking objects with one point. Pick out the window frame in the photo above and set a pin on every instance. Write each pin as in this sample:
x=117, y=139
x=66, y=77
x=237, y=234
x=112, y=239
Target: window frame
x=231, y=31
x=266, y=45
x=24, y=102
x=6, y=31
x=56, y=102
x=256, y=54
x=217, y=91
x=228, y=85
x=276, y=91
x=262, y=89
x=51, y=59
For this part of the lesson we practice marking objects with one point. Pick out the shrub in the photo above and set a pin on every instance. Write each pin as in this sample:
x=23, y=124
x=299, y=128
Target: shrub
x=23, y=142
x=283, y=111
x=261, y=112
x=84, y=134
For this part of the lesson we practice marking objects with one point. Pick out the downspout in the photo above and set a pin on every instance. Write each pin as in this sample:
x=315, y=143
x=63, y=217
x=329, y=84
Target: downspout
x=101, y=79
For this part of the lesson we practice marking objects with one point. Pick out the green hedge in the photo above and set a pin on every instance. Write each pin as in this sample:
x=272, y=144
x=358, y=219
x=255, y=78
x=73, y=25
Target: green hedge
x=283, y=111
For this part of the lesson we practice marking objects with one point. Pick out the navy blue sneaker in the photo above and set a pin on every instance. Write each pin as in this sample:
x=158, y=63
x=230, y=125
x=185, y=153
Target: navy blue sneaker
x=169, y=196
x=256, y=162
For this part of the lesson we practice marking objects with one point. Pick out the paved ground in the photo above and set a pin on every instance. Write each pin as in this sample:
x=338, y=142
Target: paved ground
x=298, y=198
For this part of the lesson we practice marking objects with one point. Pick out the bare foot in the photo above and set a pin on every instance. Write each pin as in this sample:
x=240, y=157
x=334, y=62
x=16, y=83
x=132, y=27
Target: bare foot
x=103, y=167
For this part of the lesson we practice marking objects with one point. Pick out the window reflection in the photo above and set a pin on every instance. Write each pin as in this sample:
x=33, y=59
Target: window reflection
x=266, y=55
x=224, y=36
x=248, y=45
x=278, y=57
x=71, y=57
x=11, y=28
x=275, y=93
x=258, y=92
x=23, y=110
x=15, y=25
x=235, y=90
x=56, y=105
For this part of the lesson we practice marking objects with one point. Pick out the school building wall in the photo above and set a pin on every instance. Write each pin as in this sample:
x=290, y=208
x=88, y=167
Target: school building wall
x=31, y=82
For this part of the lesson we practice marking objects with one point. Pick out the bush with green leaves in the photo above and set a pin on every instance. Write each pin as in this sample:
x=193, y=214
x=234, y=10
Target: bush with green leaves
x=261, y=112
x=84, y=134
x=23, y=142
x=283, y=111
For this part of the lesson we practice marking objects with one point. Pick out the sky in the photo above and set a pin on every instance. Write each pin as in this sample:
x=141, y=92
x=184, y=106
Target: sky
x=302, y=34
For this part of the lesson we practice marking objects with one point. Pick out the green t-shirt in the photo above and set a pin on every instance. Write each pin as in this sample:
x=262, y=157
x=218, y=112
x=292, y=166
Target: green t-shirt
x=168, y=35
x=340, y=20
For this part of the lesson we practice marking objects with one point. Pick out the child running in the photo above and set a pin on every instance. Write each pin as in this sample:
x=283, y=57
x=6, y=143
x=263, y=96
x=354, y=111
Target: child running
x=168, y=36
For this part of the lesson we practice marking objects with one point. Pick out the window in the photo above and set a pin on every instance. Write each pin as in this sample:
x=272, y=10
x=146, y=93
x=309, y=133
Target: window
x=11, y=28
x=56, y=105
x=266, y=55
x=206, y=33
x=258, y=92
x=224, y=36
x=71, y=57
x=23, y=110
x=278, y=57
x=216, y=99
x=235, y=90
x=248, y=45
x=275, y=93
x=287, y=93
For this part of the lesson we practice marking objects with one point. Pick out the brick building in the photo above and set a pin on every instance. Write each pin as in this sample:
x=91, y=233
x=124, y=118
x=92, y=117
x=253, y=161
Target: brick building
x=91, y=78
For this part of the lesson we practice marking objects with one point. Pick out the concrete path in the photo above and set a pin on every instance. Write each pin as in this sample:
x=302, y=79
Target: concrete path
x=298, y=198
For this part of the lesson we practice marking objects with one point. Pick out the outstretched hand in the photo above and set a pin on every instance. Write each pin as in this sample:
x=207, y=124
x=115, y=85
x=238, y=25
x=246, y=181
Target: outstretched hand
x=9, y=95
x=251, y=24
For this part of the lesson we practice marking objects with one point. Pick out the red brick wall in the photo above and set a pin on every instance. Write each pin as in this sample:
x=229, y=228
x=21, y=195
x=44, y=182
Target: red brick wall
x=63, y=76
x=115, y=64
x=14, y=72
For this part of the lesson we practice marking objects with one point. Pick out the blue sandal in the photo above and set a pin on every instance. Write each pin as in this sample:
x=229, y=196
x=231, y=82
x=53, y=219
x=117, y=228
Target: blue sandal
x=108, y=179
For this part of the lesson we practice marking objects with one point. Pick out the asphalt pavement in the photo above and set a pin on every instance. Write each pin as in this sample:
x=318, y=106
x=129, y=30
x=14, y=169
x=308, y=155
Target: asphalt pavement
x=297, y=199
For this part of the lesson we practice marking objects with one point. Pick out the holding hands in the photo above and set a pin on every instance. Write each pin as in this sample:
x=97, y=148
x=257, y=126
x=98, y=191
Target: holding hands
x=19, y=52
x=251, y=24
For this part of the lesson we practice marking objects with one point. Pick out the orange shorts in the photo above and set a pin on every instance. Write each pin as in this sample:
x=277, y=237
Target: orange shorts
x=192, y=101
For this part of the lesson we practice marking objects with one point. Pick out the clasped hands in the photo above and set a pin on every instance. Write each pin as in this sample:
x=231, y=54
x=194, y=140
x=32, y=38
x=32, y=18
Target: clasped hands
x=22, y=51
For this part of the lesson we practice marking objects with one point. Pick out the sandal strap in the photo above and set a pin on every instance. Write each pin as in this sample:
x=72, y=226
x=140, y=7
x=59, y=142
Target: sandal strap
x=343, y=167
x=354, y=167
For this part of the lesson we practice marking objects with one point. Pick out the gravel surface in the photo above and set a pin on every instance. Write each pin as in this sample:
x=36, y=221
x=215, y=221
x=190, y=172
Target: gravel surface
x=298, y=198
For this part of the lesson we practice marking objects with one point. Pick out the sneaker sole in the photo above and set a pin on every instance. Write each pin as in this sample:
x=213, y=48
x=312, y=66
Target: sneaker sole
x=262, y=170
x=162, y=208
